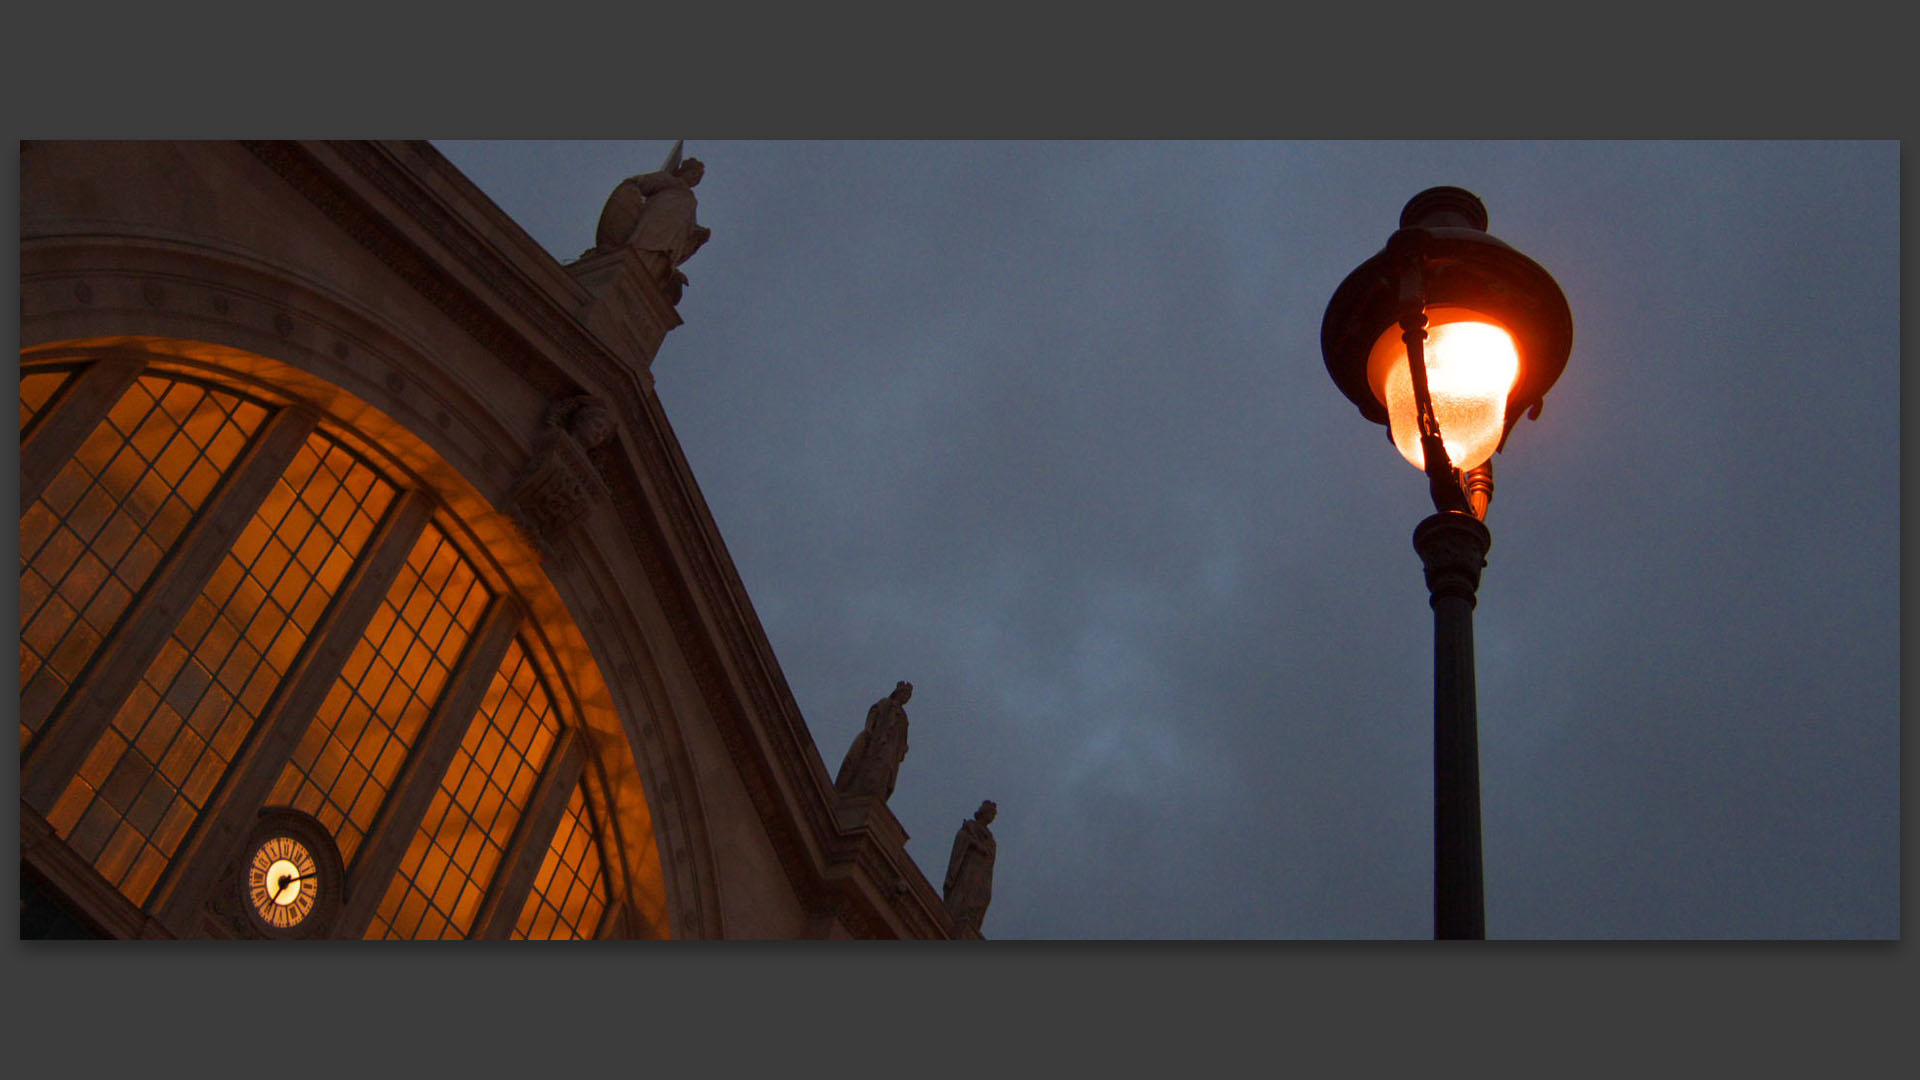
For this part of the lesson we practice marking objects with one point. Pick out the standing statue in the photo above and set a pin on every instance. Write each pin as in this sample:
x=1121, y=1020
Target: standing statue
x=873, y=761
x=654, y=214
x=968, y=888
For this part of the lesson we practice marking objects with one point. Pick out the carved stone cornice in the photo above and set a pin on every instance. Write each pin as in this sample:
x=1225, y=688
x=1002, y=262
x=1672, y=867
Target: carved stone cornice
x=374, y=230
x=678, y=588
x=817, y=849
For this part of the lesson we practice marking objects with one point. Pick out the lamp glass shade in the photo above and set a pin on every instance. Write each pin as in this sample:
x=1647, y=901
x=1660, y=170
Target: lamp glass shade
x=1472, y=364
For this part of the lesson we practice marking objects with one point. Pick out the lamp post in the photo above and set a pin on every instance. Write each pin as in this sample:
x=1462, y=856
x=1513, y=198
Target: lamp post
x=1447, y=336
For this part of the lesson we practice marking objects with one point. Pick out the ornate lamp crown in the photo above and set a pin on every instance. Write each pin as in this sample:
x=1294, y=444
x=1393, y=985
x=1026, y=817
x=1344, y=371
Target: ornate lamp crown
x=1443, y=238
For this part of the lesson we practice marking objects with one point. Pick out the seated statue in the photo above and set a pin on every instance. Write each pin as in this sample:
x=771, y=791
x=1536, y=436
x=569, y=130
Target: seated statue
x=654, y=213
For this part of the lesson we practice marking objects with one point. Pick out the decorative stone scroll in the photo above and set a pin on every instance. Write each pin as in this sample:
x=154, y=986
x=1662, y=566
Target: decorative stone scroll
x=558, y=487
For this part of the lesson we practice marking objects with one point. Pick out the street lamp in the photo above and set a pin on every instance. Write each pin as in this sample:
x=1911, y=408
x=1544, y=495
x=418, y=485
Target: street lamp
x=1447, y=336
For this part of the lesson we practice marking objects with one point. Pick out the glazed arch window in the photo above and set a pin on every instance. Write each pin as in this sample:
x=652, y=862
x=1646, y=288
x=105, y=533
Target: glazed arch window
x=154, y=769
x=35, y=391
x=195, y=685
x=89, y=542
x=481, y=798
x=347, y=761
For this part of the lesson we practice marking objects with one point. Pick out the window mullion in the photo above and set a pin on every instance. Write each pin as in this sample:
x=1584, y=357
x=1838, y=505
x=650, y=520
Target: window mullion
x=58, y=432
x=228, y=816
x=400, y=815
x=69, y=734
x=610, y=919
x=507, y=893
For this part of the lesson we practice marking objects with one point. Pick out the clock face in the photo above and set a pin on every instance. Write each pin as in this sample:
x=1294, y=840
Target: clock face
x=283, y=881
x=292, y=881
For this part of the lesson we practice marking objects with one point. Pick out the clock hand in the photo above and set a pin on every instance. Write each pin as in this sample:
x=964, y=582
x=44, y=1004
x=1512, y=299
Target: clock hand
x=285, y=880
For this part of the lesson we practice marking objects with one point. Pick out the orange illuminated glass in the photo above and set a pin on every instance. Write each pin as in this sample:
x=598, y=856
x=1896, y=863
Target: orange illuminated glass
x=1471, y=366
x=351, y=754
x=101, y=534
x=569, y=897
x=174, y=737
x=89, y=543
x=453, y=857
x=36, y=390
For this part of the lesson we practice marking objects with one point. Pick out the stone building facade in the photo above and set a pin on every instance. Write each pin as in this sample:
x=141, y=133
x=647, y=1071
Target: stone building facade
x=365, y=590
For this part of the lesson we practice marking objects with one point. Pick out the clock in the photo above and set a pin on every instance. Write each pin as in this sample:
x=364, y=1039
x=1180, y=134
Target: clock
x=282, y=879
x=291, y=878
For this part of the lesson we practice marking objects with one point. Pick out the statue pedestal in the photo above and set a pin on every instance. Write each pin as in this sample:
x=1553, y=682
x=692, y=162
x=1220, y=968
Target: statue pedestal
x=856, y=812
x=626, y=309
x=883, y=893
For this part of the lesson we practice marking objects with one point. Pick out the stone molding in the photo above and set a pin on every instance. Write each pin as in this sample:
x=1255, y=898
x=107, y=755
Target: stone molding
x=42, y=850
x=882, y=890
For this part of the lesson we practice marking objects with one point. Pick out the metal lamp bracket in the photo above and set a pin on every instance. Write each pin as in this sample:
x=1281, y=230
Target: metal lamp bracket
x=1443, y=480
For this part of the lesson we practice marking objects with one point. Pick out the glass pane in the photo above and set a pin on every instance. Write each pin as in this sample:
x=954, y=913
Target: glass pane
x=198, y=699
x=477, y=807
x=570, y=896
x=35, y=391
x=102, y=513
x=378, y=696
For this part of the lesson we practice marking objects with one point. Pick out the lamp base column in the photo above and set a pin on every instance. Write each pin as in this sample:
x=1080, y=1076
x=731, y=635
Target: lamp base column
x=1453, y=548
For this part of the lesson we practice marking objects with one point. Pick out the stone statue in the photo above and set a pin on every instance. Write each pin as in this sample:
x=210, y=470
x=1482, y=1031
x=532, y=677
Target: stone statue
x=654, y=214
x=968, y=888
x=873, y=761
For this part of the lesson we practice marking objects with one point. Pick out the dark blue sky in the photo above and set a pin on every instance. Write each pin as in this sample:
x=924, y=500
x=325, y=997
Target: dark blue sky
x=1043, y=428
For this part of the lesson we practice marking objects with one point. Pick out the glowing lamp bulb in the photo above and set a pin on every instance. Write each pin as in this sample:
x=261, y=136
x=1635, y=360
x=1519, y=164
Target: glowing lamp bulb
x=1471, y=366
